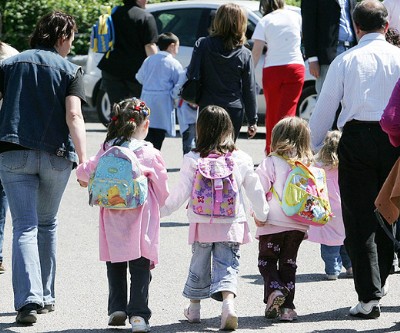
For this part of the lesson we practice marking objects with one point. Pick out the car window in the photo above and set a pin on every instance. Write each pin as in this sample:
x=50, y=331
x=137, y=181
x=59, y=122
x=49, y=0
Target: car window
x=185, y=23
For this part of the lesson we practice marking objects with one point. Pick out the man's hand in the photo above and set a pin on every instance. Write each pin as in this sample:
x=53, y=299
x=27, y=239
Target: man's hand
x=251, y=131
x=314, y=68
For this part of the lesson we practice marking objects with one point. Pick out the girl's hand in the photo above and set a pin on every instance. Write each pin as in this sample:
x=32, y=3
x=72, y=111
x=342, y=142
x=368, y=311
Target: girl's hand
x=82, y=183
x=258, y=222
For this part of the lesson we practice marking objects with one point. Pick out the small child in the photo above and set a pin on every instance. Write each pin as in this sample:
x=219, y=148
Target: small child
x=130, y=238
x=187, y=117
x=216, y=240
x=160, y=74
x=331, y=235
x=280, y=237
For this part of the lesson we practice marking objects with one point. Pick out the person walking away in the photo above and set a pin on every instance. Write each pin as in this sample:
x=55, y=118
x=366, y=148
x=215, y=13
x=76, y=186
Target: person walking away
x=280, y=237
x=283, y=70
x=6, y=51
x=331, y=235
x=135, y=39
x=129, y=239
x=160, y=75
x=216, y=236
x=42, y=138
x=362, y=80
x=187, y=117
x=226, y=71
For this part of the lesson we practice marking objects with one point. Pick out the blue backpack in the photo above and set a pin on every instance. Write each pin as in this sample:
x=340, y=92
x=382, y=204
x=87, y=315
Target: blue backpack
x=118, y=182
x=102, y=37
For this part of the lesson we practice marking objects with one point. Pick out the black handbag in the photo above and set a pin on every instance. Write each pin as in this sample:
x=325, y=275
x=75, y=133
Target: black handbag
x=191, y=89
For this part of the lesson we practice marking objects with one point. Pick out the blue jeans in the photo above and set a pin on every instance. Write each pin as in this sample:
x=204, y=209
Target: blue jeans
x=203, y=282
x=3, y=211
x=335, y=257
x=188, y=138
x=34, y=182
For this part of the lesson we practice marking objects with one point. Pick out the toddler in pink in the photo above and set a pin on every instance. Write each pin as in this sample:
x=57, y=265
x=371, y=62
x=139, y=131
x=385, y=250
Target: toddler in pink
x=129, y=239
x=331, y=235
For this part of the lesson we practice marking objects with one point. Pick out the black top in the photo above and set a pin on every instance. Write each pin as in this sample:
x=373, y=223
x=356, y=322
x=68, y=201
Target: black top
x=134, y=28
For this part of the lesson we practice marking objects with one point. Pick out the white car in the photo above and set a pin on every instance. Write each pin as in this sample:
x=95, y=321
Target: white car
x=190, y=20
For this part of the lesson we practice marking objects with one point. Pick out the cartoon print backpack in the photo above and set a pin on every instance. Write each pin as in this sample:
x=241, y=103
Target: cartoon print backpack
x=305, y=195
x=118, y=182
x=102, y=37
x=215, y=191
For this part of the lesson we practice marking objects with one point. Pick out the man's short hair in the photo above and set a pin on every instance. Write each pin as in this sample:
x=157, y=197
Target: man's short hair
x=370, y=15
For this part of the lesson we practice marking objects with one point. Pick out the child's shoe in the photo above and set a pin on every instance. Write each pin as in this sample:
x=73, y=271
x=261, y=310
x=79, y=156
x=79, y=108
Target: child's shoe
x=192, y=312
x=229, y=318
x=139, y=325
x=275, y=301
x=117, y=318
x=288, y=314
x=332, y=277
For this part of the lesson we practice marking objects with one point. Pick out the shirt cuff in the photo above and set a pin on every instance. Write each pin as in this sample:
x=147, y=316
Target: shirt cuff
x=312, y=59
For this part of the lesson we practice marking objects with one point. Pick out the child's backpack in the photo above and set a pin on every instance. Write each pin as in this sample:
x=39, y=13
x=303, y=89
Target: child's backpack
x=102, y=37
x=118, y=182
x=215, y=191
x=305, y=195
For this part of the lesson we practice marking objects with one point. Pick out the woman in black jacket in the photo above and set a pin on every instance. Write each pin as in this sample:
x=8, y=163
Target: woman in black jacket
x=226, y=68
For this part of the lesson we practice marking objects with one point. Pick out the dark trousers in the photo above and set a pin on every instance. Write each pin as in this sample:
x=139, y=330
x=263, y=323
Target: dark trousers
x=156, y=136
x=277, y=263
x=118, y=89
x=137, y=305
x=365, y=159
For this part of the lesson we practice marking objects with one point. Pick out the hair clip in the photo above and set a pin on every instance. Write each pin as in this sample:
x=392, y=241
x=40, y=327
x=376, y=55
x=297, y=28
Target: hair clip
x=114, y=118
x=132, y=120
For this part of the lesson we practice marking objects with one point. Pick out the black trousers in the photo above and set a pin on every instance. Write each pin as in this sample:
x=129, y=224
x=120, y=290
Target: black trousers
x=365, y=159
x=156, y=136
x=118, y=89
x=137, y=305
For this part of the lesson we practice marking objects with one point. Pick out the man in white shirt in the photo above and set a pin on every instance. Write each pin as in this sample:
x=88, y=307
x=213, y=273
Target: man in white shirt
x=362, y=79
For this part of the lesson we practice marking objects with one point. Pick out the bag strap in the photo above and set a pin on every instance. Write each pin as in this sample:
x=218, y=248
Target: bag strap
x=396, y=243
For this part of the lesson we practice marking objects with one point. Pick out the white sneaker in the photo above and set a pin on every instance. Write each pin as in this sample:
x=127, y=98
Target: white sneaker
x=117, y=318
x=139, y=325
x=385, y=288
x=369, y=310
x=192, y=313
x=332, y=277
x=229, y=318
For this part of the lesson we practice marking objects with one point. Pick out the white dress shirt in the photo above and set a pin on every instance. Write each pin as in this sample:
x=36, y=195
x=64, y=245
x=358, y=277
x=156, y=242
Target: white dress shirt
x=362, y=79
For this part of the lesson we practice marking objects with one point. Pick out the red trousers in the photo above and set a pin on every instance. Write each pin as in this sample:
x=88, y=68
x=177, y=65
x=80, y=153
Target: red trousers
x=282, y=87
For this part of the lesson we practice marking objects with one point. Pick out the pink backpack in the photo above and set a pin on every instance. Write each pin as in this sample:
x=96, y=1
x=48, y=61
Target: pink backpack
x=215, y=191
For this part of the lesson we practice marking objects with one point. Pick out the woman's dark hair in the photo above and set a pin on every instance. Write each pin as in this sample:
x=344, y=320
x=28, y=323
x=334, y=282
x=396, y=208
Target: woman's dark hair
x=127, y=116
x=370, y=15
x=166, y=39
x=214, y=131
x=268, y=6
x=50, y=28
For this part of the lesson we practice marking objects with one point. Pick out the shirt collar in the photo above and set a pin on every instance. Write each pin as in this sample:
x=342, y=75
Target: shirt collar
x=371, y=36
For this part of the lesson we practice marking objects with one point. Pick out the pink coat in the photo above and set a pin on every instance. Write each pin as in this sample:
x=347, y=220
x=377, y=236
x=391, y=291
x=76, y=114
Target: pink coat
x=130, y=234
x=331, y=233
x=390, y=121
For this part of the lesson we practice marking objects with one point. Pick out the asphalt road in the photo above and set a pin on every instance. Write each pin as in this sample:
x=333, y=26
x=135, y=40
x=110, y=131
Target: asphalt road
x=82, y=290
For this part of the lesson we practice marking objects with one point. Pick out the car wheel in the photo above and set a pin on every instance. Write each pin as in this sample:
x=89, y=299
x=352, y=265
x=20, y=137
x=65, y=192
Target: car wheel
x=103, y=107
x=307, y=102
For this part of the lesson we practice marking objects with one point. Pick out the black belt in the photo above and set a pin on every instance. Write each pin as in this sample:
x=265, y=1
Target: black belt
x=362, y=122
x=345, y=43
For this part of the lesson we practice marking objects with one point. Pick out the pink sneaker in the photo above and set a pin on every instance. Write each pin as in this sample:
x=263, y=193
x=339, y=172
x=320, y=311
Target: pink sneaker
x=288, y=314
x=275, y=301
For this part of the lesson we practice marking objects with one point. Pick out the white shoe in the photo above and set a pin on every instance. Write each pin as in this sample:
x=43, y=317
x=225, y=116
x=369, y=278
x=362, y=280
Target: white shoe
x=369, y=310
x=192, y=313
x=229, y=318
x=117, y=318
x=139, y=325
x=332, y=277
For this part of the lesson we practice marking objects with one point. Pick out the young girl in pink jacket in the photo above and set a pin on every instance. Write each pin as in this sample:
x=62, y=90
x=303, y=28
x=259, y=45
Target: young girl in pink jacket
x=130, y=238
x=331, y=235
